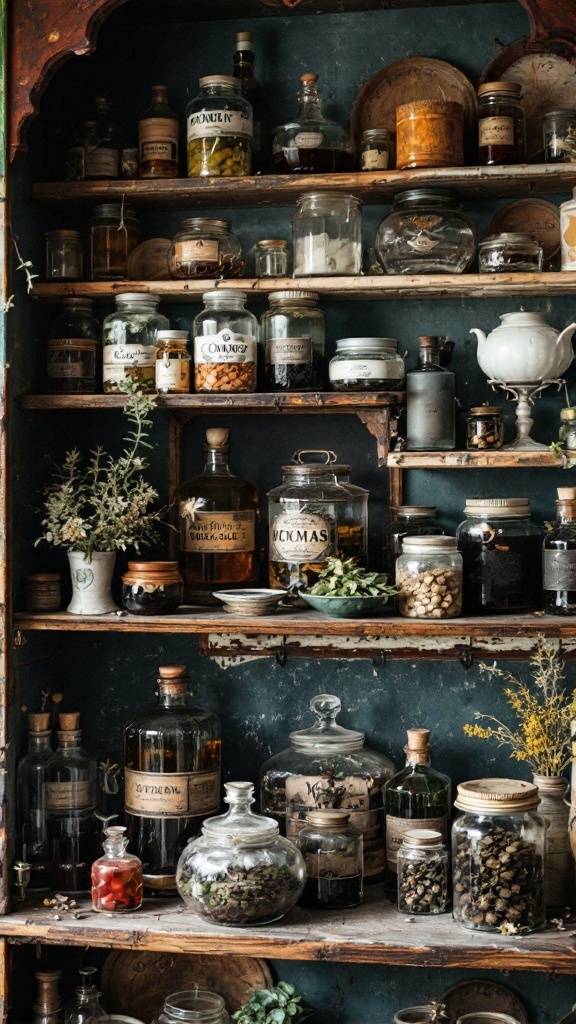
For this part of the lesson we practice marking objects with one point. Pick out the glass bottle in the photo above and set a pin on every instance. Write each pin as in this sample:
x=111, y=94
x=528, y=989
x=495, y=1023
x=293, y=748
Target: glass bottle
x=102, y=151
x=172, y=374
x=199, y=1006
x=244, y=58
x=426, y=233
x=407, y=521
x=117, y=876
x=501, y=132
x=172, y=778
x=430, y=401
x=311, y=144
x=71, y=795
x=417, y=797
x=64, y=255
x=113, y=232
x=85, y=1008
x=72, y=345
x=333, y=853
x=293, y=332
x=218, y=519
x=219, y=129
x=129, y=338
x=31, y=775
x=560, y=557
x=225, y=340
x=422, y=873
x=47, y=1004
x=158, y=138
x=327, y=235
x=559, y=128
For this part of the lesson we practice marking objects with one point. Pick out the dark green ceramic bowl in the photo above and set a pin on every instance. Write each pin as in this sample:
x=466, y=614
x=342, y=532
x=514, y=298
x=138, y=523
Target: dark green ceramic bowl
x=345, y=607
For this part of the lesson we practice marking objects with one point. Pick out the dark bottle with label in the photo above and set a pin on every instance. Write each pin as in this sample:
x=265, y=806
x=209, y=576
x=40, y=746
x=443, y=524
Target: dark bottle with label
x=171, y=776
x=102, y=143
x=501, y=134
x=417, y=797
x=430, y=410
x=311, y=144
x=560, y=557
x=71, y=792
x=158, y=138
x=218, y=517
x=31, y=775
x=244, y=58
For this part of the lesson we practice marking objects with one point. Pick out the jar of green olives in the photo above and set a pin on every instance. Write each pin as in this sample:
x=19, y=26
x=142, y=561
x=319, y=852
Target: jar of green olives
x=219, y=130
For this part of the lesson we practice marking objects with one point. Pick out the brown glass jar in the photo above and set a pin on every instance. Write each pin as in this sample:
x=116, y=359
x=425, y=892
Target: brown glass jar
x=152, y=588
x=205, y=247
x=501, y=136
x=429, y=133
x=113, y=231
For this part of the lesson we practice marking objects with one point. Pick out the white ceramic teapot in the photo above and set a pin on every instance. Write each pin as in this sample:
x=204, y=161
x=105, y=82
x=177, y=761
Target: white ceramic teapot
x=524, y=349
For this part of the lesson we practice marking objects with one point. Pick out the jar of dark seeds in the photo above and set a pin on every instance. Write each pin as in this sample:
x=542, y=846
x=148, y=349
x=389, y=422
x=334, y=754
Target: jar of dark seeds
x=332, y=850
x=293, y=334
x=422, y=873
x=498, y=856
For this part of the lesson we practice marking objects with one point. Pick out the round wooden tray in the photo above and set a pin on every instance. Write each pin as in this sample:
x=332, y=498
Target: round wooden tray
x=477, y=996
x=537, y=217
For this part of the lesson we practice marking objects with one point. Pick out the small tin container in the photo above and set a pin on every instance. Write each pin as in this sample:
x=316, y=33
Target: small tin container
x=559, y=130
x=511, y=252
x=484, y=428
x=152, y=588
x=429, y=133
x=43, y=592
x=64, y=256
x=271, y=258
x=377, y=150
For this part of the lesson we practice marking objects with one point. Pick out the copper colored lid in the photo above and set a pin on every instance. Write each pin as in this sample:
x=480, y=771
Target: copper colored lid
x=153, y=566
x=328, y=819
x=49, y=577
x=511, y=87
x=309, y=78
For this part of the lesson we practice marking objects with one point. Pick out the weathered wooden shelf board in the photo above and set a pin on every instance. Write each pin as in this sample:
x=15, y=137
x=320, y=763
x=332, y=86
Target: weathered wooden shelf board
x=474, y=460
x=373, y=933
x=380, y=286
x=284, y=190
x=301, y=401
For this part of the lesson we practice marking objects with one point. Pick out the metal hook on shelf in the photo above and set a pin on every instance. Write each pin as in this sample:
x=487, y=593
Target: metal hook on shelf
x=379, y=661
x=466, y=655
x=281, y=655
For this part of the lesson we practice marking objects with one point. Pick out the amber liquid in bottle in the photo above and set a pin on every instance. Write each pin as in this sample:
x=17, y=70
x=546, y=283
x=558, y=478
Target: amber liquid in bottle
x=158, y=138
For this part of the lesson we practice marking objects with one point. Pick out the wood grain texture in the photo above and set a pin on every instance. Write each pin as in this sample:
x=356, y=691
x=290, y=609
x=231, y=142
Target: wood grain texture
x=474, y=460
x=300, y=401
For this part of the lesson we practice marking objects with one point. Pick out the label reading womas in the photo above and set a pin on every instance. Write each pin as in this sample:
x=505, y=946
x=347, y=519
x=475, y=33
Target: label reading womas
x=216, y=531
x=303, y=537
x=167, y=795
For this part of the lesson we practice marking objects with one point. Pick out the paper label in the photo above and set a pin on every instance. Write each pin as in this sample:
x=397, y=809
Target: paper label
x=158, y=137
x=173, y=374
x=225, y=347
x=302, y=537
x=289, y=351
x=198, y=249
x=207, y=124
x=61, y=370
x=396, y=827
x=308, y=140
x=359, y=369
x=375, y=160
x=102, y=163
x=559, y=570
x=422, y=243
x=62, y=796
x=168, y=795
x=496, y=131
x=216, y=531
x=128, y=355
x=568, y=239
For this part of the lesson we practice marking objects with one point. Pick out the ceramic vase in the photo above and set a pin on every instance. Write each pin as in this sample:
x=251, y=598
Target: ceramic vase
x=91, y=583
x=556, y=811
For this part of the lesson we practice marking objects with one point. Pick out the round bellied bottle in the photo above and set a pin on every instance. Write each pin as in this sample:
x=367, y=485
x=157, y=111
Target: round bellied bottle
x=117, y=876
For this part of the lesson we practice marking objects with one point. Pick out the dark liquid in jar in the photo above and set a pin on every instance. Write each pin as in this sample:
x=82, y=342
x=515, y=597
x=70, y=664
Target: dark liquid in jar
x=312, y=161
x=332, y=892
x=504, y=575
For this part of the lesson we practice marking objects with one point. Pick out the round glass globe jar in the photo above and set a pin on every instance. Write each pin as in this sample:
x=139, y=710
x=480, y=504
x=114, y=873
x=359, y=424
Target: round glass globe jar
x=204, y=247
x=198, y=1006
x=426, y=233
x=240, y=871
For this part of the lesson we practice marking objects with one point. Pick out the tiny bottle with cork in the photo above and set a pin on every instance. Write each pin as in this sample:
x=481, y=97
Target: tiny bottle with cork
x=559, y=556
x=416, y=797
x=47, y=1004
x=117, y=876
x=244, y=58
x=430, y=398
x=158, y=138
x=31, y=777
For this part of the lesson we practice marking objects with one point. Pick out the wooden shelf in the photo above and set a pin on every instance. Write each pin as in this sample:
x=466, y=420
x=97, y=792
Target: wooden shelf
x=302, y=401
x=283, y=190
x=383, y=286
x=474, y=460
x=373, y=933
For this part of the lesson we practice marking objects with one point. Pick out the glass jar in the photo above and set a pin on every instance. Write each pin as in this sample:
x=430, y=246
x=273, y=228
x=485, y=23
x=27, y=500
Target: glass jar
x=502, y=553
x=333, y=853
x=498, y=856
x=355, y=541
x=113, y=232
x=72, y=346
x=426, y=233
x=85, y=1007
x=429, y=578
x=422, y=873
x=559, y=558
x=173, y=359
x=377, y=150
x=327, y=235
x=293, y=332
x=152, y=588
x=501, y=133
x=484, y=428
x=366, y=364
x=559, y=127
x=64, y=256
x=408, y=521
x=199, y=1006
x=219, y=129
x=117, y=876
x=567, y=431
x=129, y=339
x=225, y=340
x=310, y=143
x=205, y=247
x=429, y=133
x=271, y=257
x=43, y=592
x=240, y=870
x=328, y=767
x=510, y=253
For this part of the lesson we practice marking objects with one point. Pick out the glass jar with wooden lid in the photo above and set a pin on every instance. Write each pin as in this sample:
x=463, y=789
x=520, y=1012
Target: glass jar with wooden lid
x=484, y=428
x=204, y=247
x=501, y=131
x=332, y=848
x=152, y=588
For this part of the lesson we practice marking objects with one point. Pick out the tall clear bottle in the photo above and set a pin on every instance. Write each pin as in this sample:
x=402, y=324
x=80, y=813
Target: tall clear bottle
x=158, y=138
x=430, y=395
x=244, y=58
x=311, y=144
x=416, y=797
x=31, y=776
x=218, y=519
x=172, y=778
x=71, y=796
x=560, y=557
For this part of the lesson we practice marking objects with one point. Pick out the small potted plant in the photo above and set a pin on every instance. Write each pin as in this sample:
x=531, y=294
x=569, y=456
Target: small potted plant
x=278, y=1004
x=97, y=506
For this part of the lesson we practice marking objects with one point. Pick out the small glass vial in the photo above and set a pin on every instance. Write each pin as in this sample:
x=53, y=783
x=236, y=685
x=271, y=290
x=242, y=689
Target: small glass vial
x=205, y=247
x=429, y=578
x=219, y=128
x=113, y=232
x=225, y=340
x=72, y=348
x=64, y=256
x=117, y=876
x=333, y=853
x=366, y=364
x=484, y=428
x=129, y=339
x=567, y=432
x=327, y=235
x=271, y=258
x=199, y=1006
x=501, y=134
x=559, y=127
x=43, y=592
x=172, y=362
x=422, y=873
x=377, y=150
x=293, y=331
x=511, y=252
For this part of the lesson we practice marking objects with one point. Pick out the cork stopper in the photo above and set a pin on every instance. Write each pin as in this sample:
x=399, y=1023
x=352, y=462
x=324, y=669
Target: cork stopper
x=39, y=722
x=172, y=671
x=69, y=722
x=173, y=680
x=428, y=340
x=217, y=437
x=243, y=40
x=417, y=749
x=566, y=493
x=309, y=78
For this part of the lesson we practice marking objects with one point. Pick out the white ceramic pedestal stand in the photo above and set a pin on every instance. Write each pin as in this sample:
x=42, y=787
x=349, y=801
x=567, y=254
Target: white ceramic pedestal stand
x=524, y=395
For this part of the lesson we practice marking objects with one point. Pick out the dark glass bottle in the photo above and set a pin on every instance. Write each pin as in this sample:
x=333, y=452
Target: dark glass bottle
x=31, y=776
x=417, y=797
x=71, y=791
x=311, y=144
x=244, y=58
x=408, y=521
x=501, y=135
x=102, y=146
x=430, y=409
x=560, y=557
x=72, y=346
x=172, y=778
x=158, y=138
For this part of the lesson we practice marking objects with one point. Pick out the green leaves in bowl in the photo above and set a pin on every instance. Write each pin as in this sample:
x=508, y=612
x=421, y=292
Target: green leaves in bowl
x=343, y=578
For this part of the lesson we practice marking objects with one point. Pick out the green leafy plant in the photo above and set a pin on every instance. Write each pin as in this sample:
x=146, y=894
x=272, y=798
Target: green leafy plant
x=343, y=578
x=276, y=1005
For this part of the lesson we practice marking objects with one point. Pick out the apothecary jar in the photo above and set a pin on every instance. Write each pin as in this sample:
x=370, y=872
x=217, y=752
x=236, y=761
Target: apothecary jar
x=422, y=872
x=327, y=235
x=429, y=578
x=426, y=233
x=197, y=1006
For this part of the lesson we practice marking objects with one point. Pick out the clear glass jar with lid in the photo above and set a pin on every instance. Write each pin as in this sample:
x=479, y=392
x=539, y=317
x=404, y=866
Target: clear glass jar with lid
x=219, y=129
x=271, y=257
x=567, y=431
x=429, y=578
x=408, y=521
x=333, y=853
x=293, y=332
x=225, y=343
x=205, y=247
x=113, y=232
x=129, y=338
x=377, y=150
x=355, y=512
x=366, y=364
x=511, y=252
x=240, y=870
x=484, y=428
x=198, y=1006
x=426, y=233
x=422, y=872
x=328, y=767
x=498, y=844
x=327, y=235
x=172, y=374
x=502, y=553
x=73, y=344
x=559, y=127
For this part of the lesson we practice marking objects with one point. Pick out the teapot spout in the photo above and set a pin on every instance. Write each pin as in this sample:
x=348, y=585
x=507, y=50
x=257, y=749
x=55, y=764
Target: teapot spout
x=479, y=334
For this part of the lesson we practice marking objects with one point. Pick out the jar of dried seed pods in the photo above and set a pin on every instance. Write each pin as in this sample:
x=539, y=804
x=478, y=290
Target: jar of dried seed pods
x=422, y=873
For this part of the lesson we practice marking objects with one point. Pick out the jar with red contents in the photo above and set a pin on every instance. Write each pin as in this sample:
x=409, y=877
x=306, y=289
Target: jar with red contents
x=117, y=876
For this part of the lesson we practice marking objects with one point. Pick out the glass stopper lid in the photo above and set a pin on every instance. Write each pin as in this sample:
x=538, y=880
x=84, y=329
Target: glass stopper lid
x=326, y=735
x=240, y=825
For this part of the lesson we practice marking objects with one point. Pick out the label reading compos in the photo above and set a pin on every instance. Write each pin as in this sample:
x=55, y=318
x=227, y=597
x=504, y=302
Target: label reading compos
x=224, y=347
x=396, y=827
x=167, y=795
x=302, y=537
x=217, y=531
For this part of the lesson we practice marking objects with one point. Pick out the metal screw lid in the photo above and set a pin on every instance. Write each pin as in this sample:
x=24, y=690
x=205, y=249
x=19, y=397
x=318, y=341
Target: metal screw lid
x=510, y=238
x=208, y=223
x=228, y=80
x=486, y=410
x=415, y=510
x=497, y=796
x=511, y=87
x=113, y=210
x=377, y=133
x=330, y=820
x=417, y=545
x=442, y=195
x=422, y=838
x=497, y=507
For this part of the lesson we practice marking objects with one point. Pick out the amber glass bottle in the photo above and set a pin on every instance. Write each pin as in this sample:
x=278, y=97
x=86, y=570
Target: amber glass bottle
x=158, y=138
x=172, y=778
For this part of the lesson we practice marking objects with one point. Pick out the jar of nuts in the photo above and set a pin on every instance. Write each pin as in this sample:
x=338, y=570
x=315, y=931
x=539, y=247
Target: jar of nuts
x=429, y=578
x=498, y=856
x=225, y=341
x=422, y=873
x=219, y=128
